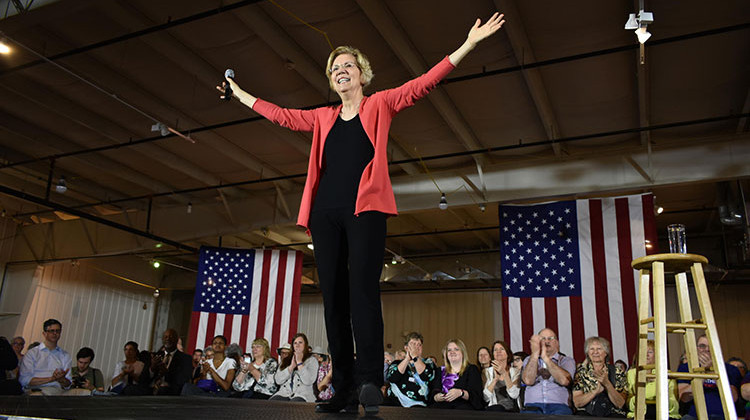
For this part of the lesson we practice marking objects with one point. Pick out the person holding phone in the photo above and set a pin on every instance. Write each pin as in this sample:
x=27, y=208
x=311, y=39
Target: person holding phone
x=255, y=378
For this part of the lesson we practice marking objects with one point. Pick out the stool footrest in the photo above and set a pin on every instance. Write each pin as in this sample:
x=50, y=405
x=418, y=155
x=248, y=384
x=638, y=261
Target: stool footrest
x=687, y=375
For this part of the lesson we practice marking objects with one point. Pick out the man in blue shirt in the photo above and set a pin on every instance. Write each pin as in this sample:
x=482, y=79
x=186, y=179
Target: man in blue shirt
x=47, y=367
x=710, y=387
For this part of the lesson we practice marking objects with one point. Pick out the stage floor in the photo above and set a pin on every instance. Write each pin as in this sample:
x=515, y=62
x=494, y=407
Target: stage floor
x=98, y=408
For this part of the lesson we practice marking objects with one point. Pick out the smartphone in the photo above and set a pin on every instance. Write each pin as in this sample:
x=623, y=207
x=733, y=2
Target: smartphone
x=248, y=360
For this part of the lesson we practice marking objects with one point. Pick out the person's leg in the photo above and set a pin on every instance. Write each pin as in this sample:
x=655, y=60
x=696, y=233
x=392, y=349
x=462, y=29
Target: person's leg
x=298, y=399
x=366, y=239
x=331, y=257
x=557, y=409
x=51, y=390
x=278, y=398
x=191, y=390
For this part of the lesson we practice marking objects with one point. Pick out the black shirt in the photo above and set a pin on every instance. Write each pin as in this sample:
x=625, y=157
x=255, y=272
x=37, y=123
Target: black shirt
x=346, y=153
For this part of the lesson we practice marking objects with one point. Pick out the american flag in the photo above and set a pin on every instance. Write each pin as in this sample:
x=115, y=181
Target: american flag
x=244, y=294
x=566, y=265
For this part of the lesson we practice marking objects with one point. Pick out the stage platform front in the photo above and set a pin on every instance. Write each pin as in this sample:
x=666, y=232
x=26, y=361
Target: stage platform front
x=103, y=408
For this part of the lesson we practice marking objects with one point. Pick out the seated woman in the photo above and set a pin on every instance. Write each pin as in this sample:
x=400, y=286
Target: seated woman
x=297, y=374
x=461, y=383
x=412, y=377
x=483, y=361
x=255, y=379
x=501, y=387
x=128, y=371
x=323, y=389
x=217, y=374
x=674, y=405
x=599, y=387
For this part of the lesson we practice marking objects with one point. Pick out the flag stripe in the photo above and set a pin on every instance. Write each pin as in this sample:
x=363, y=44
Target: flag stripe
x=516, y=326
x=527, y=321
x=295, y=300
x=193, y=330
x=550, y=313
x=279, y=301
x=576, y=315
x=506, y=321
x=261, y=315
x=600, y=269
x=614, y=288
x=564, y=325
x=210, y=329
x=588, y=291
x=273, y=273
x=626, y=275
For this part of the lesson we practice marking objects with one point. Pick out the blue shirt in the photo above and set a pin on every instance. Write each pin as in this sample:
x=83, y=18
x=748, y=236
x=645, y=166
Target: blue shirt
x=546, y=390
x=41, y=362
x=711, y=390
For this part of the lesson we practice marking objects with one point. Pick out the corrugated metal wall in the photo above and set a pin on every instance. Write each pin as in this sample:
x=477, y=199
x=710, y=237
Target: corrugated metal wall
x=96, y=310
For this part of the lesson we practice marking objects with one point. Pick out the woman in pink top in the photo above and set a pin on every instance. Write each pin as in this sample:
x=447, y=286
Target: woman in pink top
x=346, y=200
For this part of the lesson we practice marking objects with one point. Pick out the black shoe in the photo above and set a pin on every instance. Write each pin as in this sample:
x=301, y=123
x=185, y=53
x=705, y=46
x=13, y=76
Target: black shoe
x=370, y=397
x=335, y=405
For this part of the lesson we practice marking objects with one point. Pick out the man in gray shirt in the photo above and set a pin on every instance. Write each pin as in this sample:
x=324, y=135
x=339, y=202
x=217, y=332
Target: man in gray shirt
x=547, y=374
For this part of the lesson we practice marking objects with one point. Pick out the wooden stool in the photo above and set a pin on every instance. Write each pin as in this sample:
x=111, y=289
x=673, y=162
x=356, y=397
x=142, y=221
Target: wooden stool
x=678, y=264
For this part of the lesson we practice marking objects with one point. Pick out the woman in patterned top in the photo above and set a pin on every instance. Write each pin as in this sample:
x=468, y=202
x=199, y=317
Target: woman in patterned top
x=599, y=388
x=411, y=378
x=255, y=379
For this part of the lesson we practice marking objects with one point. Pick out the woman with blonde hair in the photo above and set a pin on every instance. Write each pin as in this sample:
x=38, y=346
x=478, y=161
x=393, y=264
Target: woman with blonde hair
x=346, y=200
x=461, y=383
x=674, y=405
x=256, y=377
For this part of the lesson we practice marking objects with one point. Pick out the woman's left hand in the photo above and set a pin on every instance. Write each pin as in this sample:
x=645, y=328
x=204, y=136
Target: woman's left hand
x=478, y=32
x=453, y=394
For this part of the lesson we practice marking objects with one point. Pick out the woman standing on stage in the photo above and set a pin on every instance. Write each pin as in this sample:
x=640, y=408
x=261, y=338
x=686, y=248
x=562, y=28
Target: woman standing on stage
x=345, y=202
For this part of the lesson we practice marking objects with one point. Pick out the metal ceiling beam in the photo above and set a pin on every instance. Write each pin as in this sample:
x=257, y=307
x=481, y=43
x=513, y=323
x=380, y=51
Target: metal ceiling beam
x=42, y=202
x=525, y=54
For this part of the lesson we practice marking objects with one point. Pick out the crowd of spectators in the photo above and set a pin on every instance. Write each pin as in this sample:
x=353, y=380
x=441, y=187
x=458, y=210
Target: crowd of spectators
x=546, y=381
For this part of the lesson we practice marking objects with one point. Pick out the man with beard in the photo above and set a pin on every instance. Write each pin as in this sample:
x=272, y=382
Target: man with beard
x=171, y=368
x=547, y=374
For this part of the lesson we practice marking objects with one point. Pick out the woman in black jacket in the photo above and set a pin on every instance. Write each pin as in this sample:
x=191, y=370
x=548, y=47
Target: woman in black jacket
x=461, y=383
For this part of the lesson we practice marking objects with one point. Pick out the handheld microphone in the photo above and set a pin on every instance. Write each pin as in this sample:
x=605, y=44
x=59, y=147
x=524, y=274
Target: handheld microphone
x=229, y=74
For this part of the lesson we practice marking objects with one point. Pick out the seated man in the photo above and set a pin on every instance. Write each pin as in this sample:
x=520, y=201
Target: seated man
x=411, y=379
x=84, y=377
x=710, y=390
x=171, y=368
x=18, y=343
x=46, y=368
x=547, y=374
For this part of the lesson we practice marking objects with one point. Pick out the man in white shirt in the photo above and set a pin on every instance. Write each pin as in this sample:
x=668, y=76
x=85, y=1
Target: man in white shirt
x=46, y=368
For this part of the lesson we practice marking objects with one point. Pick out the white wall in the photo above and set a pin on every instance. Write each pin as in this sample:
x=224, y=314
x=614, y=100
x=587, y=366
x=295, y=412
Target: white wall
x=96, y=310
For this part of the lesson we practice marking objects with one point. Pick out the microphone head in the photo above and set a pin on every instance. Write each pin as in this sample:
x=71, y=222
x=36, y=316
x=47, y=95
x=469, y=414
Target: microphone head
x=229, y=74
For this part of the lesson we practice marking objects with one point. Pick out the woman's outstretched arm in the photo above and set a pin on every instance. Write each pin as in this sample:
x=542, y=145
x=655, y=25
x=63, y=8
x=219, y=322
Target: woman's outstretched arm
x=244, y=97
x=477, y=33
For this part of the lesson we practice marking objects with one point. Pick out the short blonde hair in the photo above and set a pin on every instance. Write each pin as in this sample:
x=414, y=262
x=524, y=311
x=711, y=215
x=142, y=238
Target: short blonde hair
x=464, y=362
x=362, y=62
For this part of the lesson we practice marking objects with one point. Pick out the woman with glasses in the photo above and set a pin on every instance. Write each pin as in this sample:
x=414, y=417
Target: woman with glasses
x=599, y=387
x=501, y=387
x=674, y=406
x=346, y=200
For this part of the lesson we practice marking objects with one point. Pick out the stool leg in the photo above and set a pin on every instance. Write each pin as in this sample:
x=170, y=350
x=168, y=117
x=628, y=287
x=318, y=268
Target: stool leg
x=704, y=302
x=640, y=376
x=686, y=315
x=660, y=339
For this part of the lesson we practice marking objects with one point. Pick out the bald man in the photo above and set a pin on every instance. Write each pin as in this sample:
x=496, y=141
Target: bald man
x=547, y=374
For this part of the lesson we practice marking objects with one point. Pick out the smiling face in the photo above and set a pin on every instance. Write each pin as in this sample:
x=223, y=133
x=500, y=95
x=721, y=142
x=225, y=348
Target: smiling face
x=414, y=347
x=454, y=355
x=299, y=345
x=483, y=356
x=258, y=351
x=597, y=352
x=345, y=75
x=499, y=354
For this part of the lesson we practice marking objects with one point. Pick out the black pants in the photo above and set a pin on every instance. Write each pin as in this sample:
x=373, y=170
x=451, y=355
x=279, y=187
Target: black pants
x=349, y=254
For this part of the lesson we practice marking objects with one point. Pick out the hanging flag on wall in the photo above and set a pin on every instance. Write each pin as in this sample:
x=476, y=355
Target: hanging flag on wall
x=244, y=294
x=566, y=265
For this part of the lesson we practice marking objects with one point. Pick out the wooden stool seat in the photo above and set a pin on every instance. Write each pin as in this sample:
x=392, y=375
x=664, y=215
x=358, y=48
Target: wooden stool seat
x=652, y=269
x=673, y=263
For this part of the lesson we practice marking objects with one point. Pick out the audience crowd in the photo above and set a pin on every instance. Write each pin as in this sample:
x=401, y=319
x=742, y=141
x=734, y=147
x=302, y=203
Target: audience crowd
x=545, y=381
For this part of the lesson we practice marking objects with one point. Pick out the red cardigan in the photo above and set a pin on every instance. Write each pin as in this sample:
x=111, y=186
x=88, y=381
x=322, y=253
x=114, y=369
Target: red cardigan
x=376, y=113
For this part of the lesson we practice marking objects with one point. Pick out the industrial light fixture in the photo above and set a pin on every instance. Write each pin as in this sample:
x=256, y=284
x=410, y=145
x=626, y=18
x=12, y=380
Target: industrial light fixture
x=4, y=48
x=443, y=202
x=310, y=246
x=157, y=292
x=190, y=208
x=639, y=24
x=659, y=209
x=482, y=207
x=156, y=264
x=161, y=128
x=61, y=186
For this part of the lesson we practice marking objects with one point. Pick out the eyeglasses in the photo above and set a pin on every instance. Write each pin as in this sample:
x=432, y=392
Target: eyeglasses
x=553, y=338
x=348, y=65
x=55, y=331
